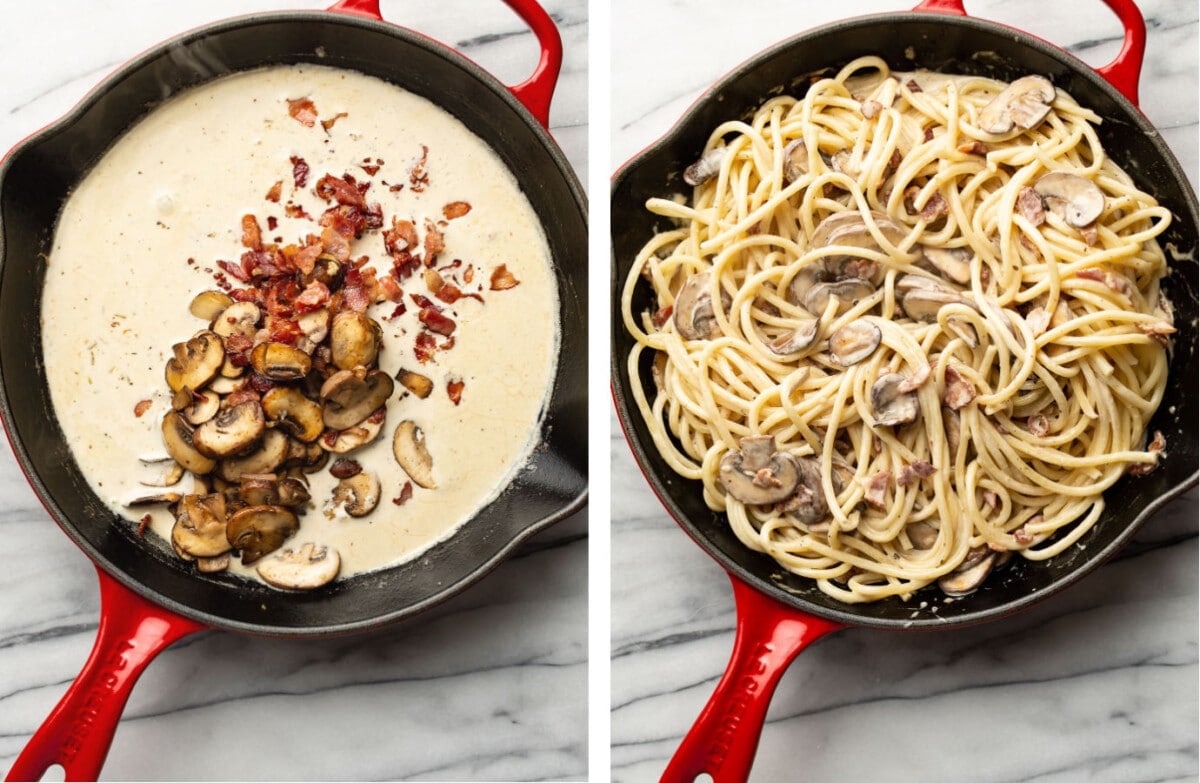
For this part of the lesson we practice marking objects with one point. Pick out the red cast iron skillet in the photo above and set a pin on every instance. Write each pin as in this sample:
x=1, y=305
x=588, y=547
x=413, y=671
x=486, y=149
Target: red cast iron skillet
x=149, y=598
x=779, y=614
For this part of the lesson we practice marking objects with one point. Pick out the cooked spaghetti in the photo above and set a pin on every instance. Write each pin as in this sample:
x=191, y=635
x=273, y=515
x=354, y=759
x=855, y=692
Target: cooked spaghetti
x=906, y=325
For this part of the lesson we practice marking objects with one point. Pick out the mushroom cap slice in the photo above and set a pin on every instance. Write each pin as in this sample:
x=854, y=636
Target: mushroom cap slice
x=970, y=573
x=357, y=495
x=293, y=492
x=232, y=431
x=207, y=305
x=854, y=342
x=850, y=229
x=200, y=526
x=408, y=446
x=315, y=324
x=202, y=408
x=795, y=160
x=294, y=413
x=847, y=292
x=351, y=438
x=415, y=382
x=354, y=340
x=891, y=406
x=693, y=313
x=758, y=474
x=350, y=396
x=1022, y=104
x=306, y=568
x=707, y=167
x=790, y=342
x=269, y=455
x=178, y=437
x=196, y=362
x=953, y=263
x=259, y=490
x=807, y=503
x=923, y=298
x=256, y=531
x=212, y=565
x=1077, y=199
x=280, y=361
x=168, y=474
x=239, y=318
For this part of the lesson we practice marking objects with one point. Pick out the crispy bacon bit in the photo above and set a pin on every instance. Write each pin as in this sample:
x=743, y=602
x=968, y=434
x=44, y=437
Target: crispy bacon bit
x=454, y=388
x=406, y=493
x=959, y=391
x=244, y=394
x=916, y=380
x=402, y=236
x=935, y=208
x=390, y=288
x=1038, y=320
x=871, y=109
x=436, y=322
x=344, y=468
x=1022, y=536
x=251, y=233
x=418, y=177
x=329, y=123
x=450, y=293
x=343, y=190
x=396, y=313
x=425, y=346
x=469, y=274
x=295, y=211
x=912, y=86
x=144, y=523
x=502, y=279
x=1038, y=425
x=299, y=171
x=910, y=474
x=991, y=499
x=141, y=407
x=1158, y=331
x=275, y=192
x=1157, y=444
x=1090, y=234
x=313, y=297
x=877, y=488
x=435, y=242
x=928, y=134
x=234, y=270
x=662, y=315
x=303, y=111
x=1031, y=207
x=456, y=209
x=975, y=147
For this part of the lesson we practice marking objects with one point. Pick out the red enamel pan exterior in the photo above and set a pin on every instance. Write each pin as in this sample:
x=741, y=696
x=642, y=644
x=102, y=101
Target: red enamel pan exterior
x=778, y=615
x=147, y=601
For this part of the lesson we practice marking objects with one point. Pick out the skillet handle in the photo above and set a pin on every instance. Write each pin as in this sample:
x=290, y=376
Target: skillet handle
x=724, y=739
x=79, y=731
x=535, y=92
x=1124, y=72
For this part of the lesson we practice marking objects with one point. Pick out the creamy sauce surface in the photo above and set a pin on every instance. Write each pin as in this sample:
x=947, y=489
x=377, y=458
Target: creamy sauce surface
x=176, y=186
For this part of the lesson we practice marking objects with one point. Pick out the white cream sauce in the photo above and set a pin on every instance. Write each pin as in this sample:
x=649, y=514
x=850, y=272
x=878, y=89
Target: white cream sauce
x=176, y=186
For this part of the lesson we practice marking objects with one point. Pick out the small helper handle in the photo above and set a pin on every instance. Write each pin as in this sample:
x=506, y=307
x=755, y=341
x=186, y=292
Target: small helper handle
x=724, y=739
x=1124, y=72
x=536, y=92
x=80, y=729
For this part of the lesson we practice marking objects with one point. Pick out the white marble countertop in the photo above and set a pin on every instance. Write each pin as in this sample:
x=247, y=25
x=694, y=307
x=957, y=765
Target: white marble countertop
x=1099, y=684
x=492, y=685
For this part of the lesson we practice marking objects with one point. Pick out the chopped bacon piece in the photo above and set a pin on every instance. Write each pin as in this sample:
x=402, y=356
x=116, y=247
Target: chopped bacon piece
x=871, y=109
x=935, y=208
x=450, y=293
x=1030, y=206
x=390, y=288
x=244, y=394
x=401, y=236
x=141, y=407
x=662, y=315
x=959, y=391
x=355, y=298
x=329, y=123
x=975, y=147
x=454, y=388
x=436, y=322
x=456, y=209
x=423, y=301
x=295, y=211
x=234, y=270
x=303, y=111
x=991, y=499
x=299, y=171
x=910, y=474
x=912, y=86
x=1038, y=320
x=877, y=488
x=418, y=177
x=399, y=311
x=502, y=279
x=1157, y=444
x=1023, y=536
x=1038, y=425
x=344, y=190
x=469, y=273
x=1090, y=234
x=1158, y=331
x=313, y=297
x=286, y=331
x=275, y=192
x=251, y=233
x=406, y=493
x=916, y=380
x=425, y=346
x=435, y=242
x=305, y=260
x=144, y=523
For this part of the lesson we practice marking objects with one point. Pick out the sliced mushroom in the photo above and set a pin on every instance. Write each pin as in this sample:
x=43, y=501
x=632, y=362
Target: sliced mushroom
x=922, y=535
x=351, y=438
x=923, y=298
x=267, y=458
x=294, y=413
x=196, y=361
x=850, y=229
x=790, y=342
x=256, y=531
x=847, y=292
x=1076, y=199
x=807, y=503
x=970, y=573
x=795, y=160
x=259, y=489
x=408, y=446
x=200, y=526
x=854, y=342
x=953, y=263
x=350, y=396
x=178, y=437
x=224, y=384
x=202, y=407
x=168, y=472
x=354, y=340
x=693, y=312
x=310, y=457
x=1022, y=104
x=415, y=382
x=212, y=565
x=315, y=325
x=232, y=431
x=239, y=318
x=357, y=495
x=306, y=568
x=163, y=498
x=891, y=406
x=707, y=167
x=207, y=305
x=758, y=474
x=293, y=492
x=280, y=362
x=953, y=424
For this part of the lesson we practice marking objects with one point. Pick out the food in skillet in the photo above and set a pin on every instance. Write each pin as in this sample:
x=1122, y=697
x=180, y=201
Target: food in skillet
x=312, y=311
x=907, y=326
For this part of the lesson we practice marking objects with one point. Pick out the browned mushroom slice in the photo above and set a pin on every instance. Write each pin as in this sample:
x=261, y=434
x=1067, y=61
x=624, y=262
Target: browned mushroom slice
x=196, y=362
x=207, y=305
x=1076, y=199
x=922, y=535
x=202, y=408
x=350, y=396
x=891, y=406
x=239, y=318
x=408, y=446
x=306, y=568
x=257, y=489
x=854, y=342
x=354, y=340
x=223, y=384
x=200, y=526
x=268, y=457
x=850, y=229
x=178, y=438
x=168, y=472
x=707, y=167
x=952, y=263
x=294, y=413
x=807, y=503
x=315, y=325
x=1022, y=104
x=795, y=160
x=789, y=342
x=212, y=565
x=232, y=431
x=970, y=573
x=847, y=292
x=280, y=362
x=351, y=438
x=256, y=531
x=923, y=298
x=758, y=474
x=357, y=495
x=163, y=498
x=693, y=313
x=309, y=457
x=293, y=492
x=415, y=382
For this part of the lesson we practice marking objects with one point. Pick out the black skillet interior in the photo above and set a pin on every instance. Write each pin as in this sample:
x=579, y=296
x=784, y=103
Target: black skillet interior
x=39, y=174
x=954, y=45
